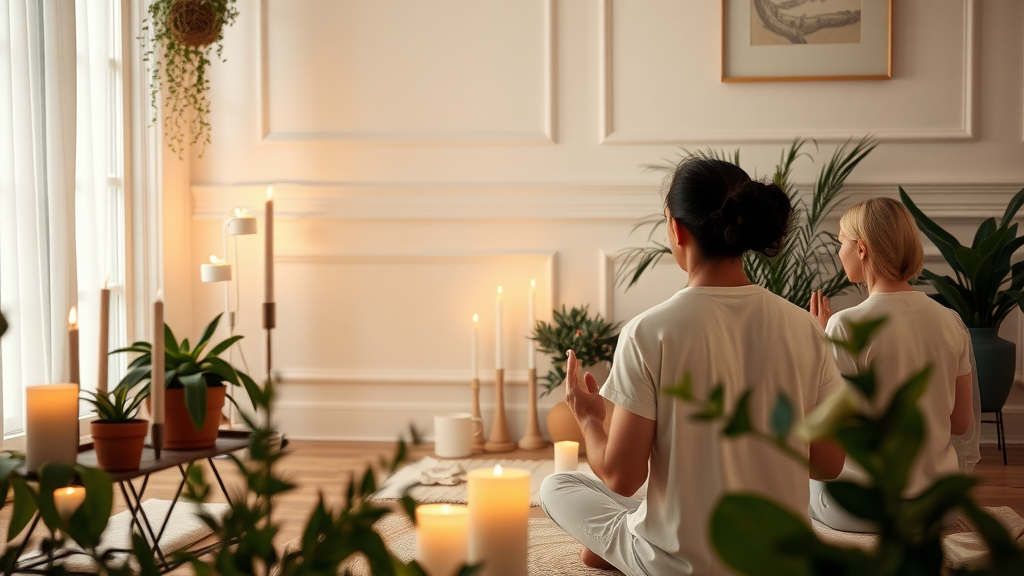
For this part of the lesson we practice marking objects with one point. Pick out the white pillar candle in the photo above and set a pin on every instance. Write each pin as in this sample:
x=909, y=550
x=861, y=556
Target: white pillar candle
x=499, y=506
x=67, y=500
x=531, y=361
x=268, y=252
x=442, y=538
x=242, y=224
x=157, y=389
x=73, y=375
x=104, y=361
x=216, y=271
x=474, y=361
x=51, y=424
x=567, y=456
x=498, y=363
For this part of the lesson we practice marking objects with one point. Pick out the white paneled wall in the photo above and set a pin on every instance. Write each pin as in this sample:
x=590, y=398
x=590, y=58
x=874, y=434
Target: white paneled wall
x=424, y=153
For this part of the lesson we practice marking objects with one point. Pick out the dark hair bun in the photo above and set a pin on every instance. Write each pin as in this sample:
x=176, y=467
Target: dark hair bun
x=756, y=216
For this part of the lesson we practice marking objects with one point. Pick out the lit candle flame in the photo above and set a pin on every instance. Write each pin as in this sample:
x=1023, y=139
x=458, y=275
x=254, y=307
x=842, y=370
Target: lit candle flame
x=73, y=317
x=241, y=213
x=159, y=294
x=270, y=192
x=69, y=490
x=476, y=318
x=215, y=260
x=533, y=283
x=497, y=469
x=446, y=509
x=105, y=281
x=499, y=290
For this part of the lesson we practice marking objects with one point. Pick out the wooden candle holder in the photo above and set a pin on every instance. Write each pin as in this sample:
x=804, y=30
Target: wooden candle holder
x=532, y=440
x=478, y=424
x=499, y=441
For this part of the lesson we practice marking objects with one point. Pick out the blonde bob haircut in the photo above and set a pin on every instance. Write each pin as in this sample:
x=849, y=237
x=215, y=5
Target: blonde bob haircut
x=888, y=229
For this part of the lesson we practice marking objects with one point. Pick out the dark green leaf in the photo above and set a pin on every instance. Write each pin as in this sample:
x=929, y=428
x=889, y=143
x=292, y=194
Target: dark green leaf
x=1012, y=208
x=195, y=398
x=782, y=416
x=866, y=503
x=683, y=390
x=210, y=329
x=24, y=507
x=170, y=343
x=740, y=422
x=748, y=531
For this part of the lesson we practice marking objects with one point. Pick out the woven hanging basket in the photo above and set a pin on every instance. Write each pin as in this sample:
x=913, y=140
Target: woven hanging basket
x=193, y=22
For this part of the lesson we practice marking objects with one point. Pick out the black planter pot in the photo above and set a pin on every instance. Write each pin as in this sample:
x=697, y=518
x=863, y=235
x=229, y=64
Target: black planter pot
x=996, y=361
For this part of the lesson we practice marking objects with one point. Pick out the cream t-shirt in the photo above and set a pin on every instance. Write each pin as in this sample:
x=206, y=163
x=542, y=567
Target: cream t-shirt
x=919, y=331
x=745, y=338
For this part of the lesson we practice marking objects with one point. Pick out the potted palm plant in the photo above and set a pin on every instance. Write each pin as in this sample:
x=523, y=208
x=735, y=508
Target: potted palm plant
x=195, y=380
x=984, y=288
x=808, y=259
x=117, y=435
x=592, y=338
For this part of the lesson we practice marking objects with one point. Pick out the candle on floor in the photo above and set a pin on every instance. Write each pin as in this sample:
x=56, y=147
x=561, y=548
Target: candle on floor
x=499, y=504
x=67, y=500
x=104, y=361
x=531, y=361
x=268, y=252
x=156, y=385
x=567, y=456
x=474, y=360
x=73, y=346
x=51, y=425
x=498, y=363
x=442, y=538
x=216, y=271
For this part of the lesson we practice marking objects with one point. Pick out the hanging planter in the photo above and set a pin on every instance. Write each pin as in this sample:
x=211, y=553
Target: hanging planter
x=182, y=34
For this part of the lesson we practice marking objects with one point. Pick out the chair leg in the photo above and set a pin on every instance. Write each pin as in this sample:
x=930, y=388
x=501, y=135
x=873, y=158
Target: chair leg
x=1001, y=432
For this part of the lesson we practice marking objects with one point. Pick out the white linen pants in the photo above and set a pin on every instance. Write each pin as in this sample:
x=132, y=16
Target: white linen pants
x=824, y=508
x=596, y=517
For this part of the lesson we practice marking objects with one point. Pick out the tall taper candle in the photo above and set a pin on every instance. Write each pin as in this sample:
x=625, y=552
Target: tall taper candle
x=268, y=252
x=531, y=361
x=101, y=376
x=498, y=363
x=474, y=362
x=73, y=375
x=156, y=386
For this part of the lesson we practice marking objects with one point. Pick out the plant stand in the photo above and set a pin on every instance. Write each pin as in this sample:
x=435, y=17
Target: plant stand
x=532, y=440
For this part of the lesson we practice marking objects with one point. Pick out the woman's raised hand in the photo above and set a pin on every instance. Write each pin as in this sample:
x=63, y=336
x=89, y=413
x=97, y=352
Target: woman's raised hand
x=581, y=394
x=821, y=310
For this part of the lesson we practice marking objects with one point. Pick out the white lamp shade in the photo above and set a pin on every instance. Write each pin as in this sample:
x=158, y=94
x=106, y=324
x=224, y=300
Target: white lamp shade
x=242, y=226
x=215, y=272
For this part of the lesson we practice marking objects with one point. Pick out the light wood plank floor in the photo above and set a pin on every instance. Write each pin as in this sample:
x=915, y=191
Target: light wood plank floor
x=326, y=467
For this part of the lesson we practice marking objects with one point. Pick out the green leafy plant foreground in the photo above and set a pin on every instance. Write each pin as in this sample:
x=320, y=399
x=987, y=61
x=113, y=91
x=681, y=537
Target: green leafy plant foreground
x=187, y=367
x=757, y=537
x=808, y=260
x=593, y=339
x=984, y=287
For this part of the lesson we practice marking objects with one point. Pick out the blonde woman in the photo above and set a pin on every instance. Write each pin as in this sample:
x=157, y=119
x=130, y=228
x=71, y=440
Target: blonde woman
x=882, y=250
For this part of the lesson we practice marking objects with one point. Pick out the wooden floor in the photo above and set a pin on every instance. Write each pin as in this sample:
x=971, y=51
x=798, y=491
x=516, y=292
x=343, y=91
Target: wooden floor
x=326, y=467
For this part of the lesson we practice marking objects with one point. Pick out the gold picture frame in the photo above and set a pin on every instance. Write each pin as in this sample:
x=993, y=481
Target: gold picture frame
x=768, y=40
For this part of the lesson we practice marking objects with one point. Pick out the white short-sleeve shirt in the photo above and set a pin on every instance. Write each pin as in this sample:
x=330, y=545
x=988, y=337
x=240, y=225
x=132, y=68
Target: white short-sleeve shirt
x=918, y=332
x=744, y=338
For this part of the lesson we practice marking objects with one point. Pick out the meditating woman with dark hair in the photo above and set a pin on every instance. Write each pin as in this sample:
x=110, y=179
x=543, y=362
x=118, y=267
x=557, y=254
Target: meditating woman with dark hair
x=720, y=329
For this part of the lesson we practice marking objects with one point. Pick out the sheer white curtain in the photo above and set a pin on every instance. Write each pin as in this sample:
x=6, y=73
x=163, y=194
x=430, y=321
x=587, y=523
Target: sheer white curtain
x=37, y=194
x=61, y=194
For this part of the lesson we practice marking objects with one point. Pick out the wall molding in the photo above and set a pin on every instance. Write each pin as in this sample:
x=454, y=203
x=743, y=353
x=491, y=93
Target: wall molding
x=542, y=201
x=608, y=134
x=545, y=135
x=454, y=378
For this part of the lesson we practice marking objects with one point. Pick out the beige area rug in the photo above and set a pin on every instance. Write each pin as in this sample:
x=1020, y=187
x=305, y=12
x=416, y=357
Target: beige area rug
x=184, y=529
x=431, y=469
x=551, y=552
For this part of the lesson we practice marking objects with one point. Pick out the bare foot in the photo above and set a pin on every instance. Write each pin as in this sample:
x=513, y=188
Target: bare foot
x=594, y=561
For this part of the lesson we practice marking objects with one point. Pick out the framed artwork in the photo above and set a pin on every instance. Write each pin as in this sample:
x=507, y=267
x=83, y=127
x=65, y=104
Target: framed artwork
x=802, y=40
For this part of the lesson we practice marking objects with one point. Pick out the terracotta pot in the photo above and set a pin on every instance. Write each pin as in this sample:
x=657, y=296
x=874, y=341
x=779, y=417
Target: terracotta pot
x=179, y=432
x=119, y=444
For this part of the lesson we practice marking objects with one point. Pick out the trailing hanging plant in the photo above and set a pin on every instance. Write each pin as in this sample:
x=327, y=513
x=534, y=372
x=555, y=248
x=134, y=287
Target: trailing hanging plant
x=808, y=260
x=592, y=339
x=183, y=32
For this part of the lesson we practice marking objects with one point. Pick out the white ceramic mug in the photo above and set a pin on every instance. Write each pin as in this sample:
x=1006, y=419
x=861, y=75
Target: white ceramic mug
x=453, y=434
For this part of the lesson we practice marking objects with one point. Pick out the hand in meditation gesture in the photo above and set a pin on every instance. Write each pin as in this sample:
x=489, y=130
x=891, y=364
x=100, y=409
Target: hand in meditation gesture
x=581, y=394
x=821, y=308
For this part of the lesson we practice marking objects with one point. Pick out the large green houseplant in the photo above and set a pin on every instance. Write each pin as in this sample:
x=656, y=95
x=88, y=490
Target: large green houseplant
x=808, y=260
x=195, y=371
x=182, y=33
x=984, y=289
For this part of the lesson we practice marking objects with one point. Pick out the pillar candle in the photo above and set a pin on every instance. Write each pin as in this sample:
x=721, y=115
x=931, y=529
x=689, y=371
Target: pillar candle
x=216, y=271
x=101, y=376
x=442, y=538
x=268, y=252
x=567, y=456
x=499, y=504
x=67, y=500
x=474, y=360
x=531, y=361
x=51, y=424
x=73, y=345
x=157, y=388
x=498, y=363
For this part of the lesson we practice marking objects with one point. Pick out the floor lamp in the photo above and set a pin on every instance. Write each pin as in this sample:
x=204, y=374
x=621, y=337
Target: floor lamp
x=237, y=222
